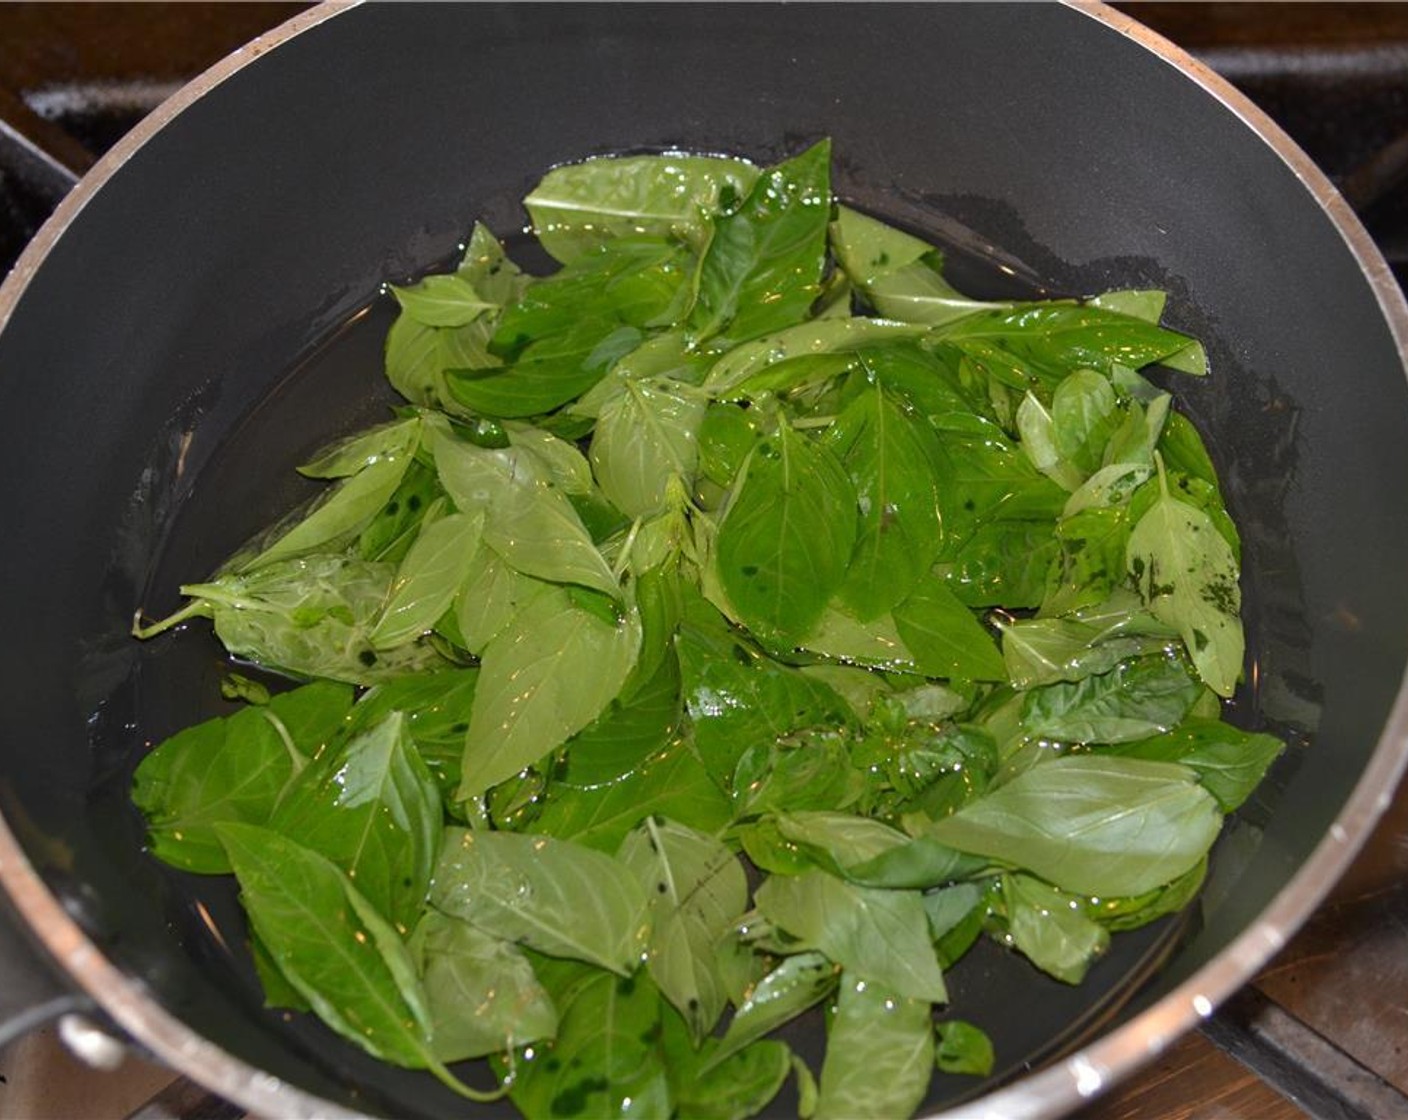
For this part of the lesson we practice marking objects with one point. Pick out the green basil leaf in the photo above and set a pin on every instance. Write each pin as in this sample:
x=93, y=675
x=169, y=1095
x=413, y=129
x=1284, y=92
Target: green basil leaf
x=1051, y=338
x=929, y=382
x=949, y=908
x=548, y=674
x=480, y=992
x=918, y=293
x=1228, y=761
x=340, y=514
x=797, y=982
x=1146, y=304
x=436, y=707
x=485, y=265
x=1122, y=615
x=231, y=768
x=1001, y=563
x=428, y=579
x=876, y=644
x=1133, y=911
x=879, y=1052
x=1038, y=430
x=878, y=935
x=944, y=637
x=963, y=1048
x=1187, y=574
x=552, y=895
x=414, y=364
x=787, y=537
x=867, y=248
x=279, y=992
x=357, y=452
x=755, y=367
x=627, y=735
x=670, y=356
x=643, y=438
x=920, y=864
x=311, y=616
x=1091, y=824
x=727, y=432
x=672, y=782
x=607, y=1059
x=1084, y=415
x=1089, y=564
x=627, y=281
x=1039, y=651
x=845, y=839
x=982, y=475
x=1194, y=492
x=349, y=965
x=607, y=524
x=562, y=464
x=372, y=808
x=1184, y=452
x=579, y=206
x=769, y=851
x=492, y=593
x=1136, y=699
x=958, y=915
x=933, y=767
x=388, y=536
x=1050, y=929
x=1135, y=440
x=236, y=686
x=812, y=771
x=658, y=596
x=738, y=698
x=528, y=522
x=889, y=459
x=698, y=892
x=762, y=269
x=1114, y=485
x=736, y=1088
x=548, y=374
x=441, y=301
x=858, y=687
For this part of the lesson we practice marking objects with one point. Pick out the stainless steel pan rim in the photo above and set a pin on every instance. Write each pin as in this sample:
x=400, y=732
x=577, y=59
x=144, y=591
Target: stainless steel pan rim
x=1047, y=1093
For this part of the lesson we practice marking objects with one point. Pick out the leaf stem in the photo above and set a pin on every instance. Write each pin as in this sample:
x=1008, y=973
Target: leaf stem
x=448, y=1079
x=194, y=609
x=623, y=561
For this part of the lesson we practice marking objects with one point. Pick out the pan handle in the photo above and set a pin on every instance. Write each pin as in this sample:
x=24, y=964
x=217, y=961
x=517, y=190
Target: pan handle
x=32, y=992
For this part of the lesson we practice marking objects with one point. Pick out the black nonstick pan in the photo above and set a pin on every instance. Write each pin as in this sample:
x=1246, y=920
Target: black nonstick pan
x=203, y=311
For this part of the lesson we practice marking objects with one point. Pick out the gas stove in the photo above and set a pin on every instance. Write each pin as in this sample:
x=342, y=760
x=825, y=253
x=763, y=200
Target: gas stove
x=1323, y=1030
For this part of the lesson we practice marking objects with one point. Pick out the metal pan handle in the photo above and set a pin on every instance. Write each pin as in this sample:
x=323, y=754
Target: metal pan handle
x=32, y=992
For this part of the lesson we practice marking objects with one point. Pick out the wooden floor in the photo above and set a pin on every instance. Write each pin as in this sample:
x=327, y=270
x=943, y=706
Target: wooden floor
x=1193, y=1080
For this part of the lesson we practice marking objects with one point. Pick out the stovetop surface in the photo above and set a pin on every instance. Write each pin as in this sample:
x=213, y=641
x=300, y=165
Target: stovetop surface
x=75, y=77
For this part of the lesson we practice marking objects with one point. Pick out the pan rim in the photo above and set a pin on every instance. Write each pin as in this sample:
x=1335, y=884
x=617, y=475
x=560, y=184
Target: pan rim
x=1043, y=1094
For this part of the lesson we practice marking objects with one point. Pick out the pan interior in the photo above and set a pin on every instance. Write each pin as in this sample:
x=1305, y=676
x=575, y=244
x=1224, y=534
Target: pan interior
x=207, y=320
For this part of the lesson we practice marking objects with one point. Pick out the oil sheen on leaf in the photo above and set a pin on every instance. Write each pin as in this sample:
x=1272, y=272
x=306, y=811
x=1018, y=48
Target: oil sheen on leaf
x=548, y=674
x=787, y=536
x=551, y=895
